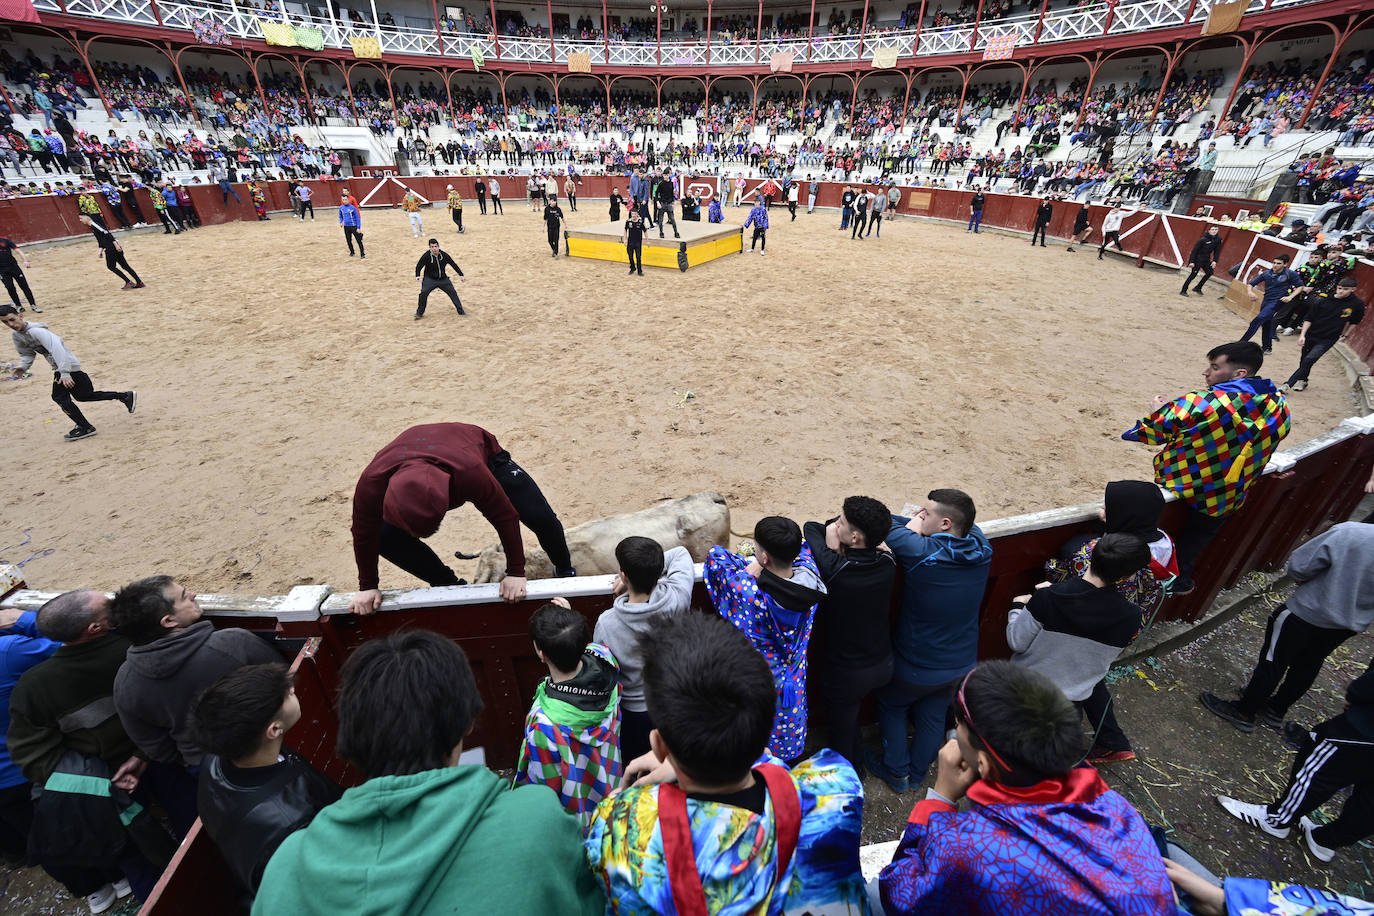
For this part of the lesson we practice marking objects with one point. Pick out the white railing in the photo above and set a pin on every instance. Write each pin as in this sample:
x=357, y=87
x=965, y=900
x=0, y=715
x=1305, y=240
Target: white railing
x=1064, y=25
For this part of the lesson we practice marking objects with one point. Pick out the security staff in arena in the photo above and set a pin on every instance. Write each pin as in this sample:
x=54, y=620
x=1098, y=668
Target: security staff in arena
x=429, y=273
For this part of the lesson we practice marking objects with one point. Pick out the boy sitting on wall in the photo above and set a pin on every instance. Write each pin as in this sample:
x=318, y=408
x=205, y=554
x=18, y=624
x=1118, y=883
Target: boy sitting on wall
x=572, y=732
x=736, y=834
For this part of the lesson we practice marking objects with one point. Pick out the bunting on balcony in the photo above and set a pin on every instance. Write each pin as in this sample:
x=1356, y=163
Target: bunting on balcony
x=308, y=38
x=884, y=58
x=1224, y=17
x=580, y=63
x=477, y=59
x=18, y=10
x=365, y=45
x=278, y=33
x=781, y=62
x=210, y=32
x=1000, y=48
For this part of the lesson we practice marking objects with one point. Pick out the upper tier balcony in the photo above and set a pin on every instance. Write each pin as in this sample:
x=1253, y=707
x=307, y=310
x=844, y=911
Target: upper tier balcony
x=1097, y=20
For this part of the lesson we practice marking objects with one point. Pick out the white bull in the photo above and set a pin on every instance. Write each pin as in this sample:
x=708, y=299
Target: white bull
x=697, y=522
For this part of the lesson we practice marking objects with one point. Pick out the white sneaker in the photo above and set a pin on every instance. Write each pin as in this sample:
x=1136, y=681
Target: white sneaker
x=1252, y=814
x=122, y=888
x=101, y=900
x=1307, y=825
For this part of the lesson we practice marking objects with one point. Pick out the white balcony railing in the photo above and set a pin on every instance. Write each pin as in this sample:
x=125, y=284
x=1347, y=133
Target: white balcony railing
x=1064, y=25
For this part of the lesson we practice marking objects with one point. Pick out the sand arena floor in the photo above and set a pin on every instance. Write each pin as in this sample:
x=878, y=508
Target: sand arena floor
x=270, y=367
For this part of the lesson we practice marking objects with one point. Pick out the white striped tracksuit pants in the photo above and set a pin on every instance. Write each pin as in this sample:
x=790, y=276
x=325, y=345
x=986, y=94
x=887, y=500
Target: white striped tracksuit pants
x=1335, y=756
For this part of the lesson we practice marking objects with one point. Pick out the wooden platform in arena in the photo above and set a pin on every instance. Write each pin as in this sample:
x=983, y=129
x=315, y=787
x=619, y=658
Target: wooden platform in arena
x=700, y=242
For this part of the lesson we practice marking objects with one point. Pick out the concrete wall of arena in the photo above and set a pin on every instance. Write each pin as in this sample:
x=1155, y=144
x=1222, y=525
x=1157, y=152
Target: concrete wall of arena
x=1162, y=239
x=1304, y=489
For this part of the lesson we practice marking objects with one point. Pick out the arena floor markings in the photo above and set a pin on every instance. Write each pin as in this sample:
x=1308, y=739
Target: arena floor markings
x=271, y=366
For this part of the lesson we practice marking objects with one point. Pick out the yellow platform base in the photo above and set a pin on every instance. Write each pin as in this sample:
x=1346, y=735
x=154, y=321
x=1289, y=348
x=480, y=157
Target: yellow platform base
x=700, y=242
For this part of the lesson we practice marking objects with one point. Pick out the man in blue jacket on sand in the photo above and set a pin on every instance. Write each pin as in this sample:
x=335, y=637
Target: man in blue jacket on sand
x=352, y=222
x=944, y=559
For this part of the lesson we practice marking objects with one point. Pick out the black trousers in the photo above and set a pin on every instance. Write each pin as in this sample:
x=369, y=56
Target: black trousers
x=761, y=237
x=1204, y=269
x=792, y=208
x=115, y=260
x=168, y=226
x=13, y=280
x=842, y=692
x=572, y=202
x=860, y=223
x=636, y=256
x=445, y=286
x=16, y=817
x=875, y=223
x=417, y=558
x=119, y=215
x=1114, y=238
x=351, y=233
x=666, y=213
x=634, y=734
x=457, y=218
x=1197, y=533
x=1101, y=714
x=496, y=206
x=1039, y=231
x=308, y=205
x=1335, y=756
x=482, y=203
x=1312, y=350
x=81, y=390
x=553, y=238
x=1293, y=651
x=132, y=204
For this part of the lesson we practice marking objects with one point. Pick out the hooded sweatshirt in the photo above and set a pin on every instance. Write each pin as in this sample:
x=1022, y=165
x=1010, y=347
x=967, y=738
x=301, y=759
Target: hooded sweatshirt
x=572, y=735
x=444, y=841
x=1336, y=575
x=1071, y=632
x=417, y=478
x=620, y=627
x=36, y=340
x=942, y=589
x=776, y=614
x=157, y=683
x=1216, y=441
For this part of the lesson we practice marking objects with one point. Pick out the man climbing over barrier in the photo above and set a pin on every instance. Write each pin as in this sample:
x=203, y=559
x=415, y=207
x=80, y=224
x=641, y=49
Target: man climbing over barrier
x=413, y=482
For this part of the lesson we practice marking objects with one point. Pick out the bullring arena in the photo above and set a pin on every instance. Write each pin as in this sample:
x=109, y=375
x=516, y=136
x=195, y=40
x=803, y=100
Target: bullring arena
x=270, y=367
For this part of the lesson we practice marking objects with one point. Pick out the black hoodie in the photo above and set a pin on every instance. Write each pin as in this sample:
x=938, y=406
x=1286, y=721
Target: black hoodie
x=853, y=622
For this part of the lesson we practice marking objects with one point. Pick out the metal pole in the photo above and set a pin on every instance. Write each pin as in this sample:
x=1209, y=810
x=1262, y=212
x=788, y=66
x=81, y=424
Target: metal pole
x=920, y=20
x=977, y=19
x=553, y=52
x=438, y=32
x=606, y=39
x=758, y=35
x=708, y=47
x=1040, y=23
x=810, y=39
x=658, y=40
x=863, y=27
x=496, y=43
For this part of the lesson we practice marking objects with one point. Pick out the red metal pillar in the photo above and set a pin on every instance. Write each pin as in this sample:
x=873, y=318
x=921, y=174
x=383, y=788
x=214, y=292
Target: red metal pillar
x=553, y=52
x=658, y=40
x=504, y=104
x=863, y=27
x=708, y=45
x=1168, y=72
x=448, y=91
x=906, y=100
x=608, y=97
x=1111, y=14
x=180, y=79
x=262, y=96
x=157, y=13
x=977, y=18
x=1040, y=23
x=1092, y=78
x=438, y=31
x=496, y=40
x=1188, y=17
x=391, y=93
x=1244, y=65
x=853, y=100
x=810, y=37
x=1025, y=82
x=758, y=35
x=959, y=109
x=81, y=51
x=352, y=103
x=606, y=40
x=1316, y=90
x=920, y=20
x=558, y=119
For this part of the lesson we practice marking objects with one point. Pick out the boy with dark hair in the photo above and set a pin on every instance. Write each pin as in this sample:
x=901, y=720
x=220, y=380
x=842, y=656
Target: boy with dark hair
x=1073, y=630
x=650, y=583
x=944, y=559
x=1041, y=835
x=1328, y=322
x=572, y=732
x=772, y=599
x=175, y=655
x=253, y=792
x=734, y=833
x=431, y=833
x=852, y=623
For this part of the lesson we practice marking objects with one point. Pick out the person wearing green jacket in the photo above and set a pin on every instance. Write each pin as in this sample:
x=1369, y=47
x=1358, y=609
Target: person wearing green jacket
x=424, y=835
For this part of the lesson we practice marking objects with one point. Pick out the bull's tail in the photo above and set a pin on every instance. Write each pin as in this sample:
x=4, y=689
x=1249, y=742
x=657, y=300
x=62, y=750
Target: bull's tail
x=465, y=556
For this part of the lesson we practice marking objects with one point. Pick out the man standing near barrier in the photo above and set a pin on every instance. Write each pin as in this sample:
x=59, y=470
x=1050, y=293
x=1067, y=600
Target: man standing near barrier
x=1281, y=285
x=553, y=222
x=1081, y=227
x=1111, y=228
x=11, y=275
x=113, y=252
x=481, y=187
x=429, y=273
x=632, y=237
x=810, y=195
x=975, y=210
x=1203, y=259
x=352, y=222
x=69, y=383
x=1329, y=321
x=877, y=207
x=428, y=470
x=1043, y=214
x=1216, y=442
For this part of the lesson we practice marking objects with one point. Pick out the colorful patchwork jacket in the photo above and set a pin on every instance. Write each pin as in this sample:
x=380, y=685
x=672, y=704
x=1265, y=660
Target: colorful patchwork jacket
x=1216, y=441
x=1062, y=847
x=780, y=633
x=574, y=751
x=736, y=850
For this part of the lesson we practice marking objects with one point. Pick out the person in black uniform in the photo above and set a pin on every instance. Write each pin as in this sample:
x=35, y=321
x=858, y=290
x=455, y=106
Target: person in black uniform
x=856, y=229
x=846, y=208
x=11, y=274
x=1080, y=227
x=663, y=200
x=632, y=234
x=429, y=273
x=1203, y=259
x=482, y=195
x=975, y=210
x=553, y=221
x=1043, y=213
x=113, y=252
x=616, y=203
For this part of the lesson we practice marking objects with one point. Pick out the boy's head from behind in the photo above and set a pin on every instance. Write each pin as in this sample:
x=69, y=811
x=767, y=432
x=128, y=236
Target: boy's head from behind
x=1116, y=556
x=406, y=702
x=561, y=635
x=244, y=710
x=780, y=538
x=641, y=563
x=710, y=695
x=1015, y=726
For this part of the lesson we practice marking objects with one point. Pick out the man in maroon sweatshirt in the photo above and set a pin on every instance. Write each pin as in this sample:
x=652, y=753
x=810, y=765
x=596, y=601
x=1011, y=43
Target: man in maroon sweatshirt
x=403, y=495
